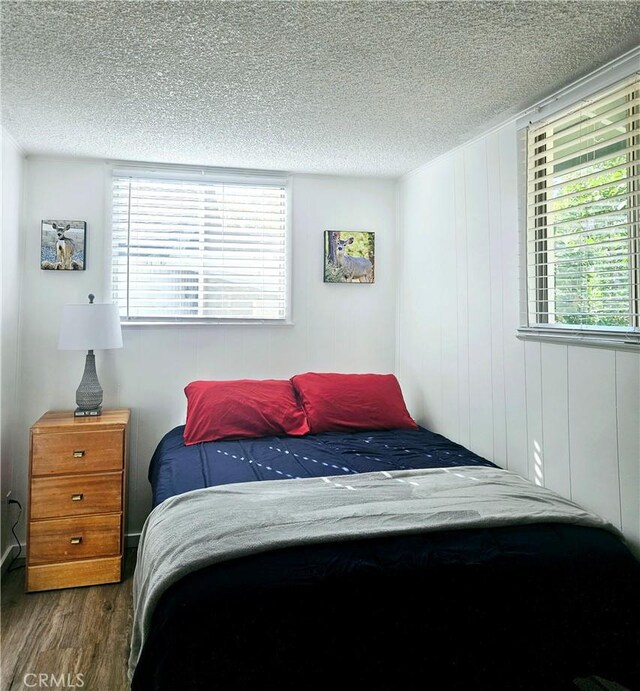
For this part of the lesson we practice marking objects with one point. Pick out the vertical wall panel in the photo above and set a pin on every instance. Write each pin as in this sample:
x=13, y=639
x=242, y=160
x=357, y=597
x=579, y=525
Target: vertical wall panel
x=497, y=317
x=419, y=299
x=11, y=179
x=479, y=300
x=593, y=431
x=462, y=296
x=555, y=418
x=535, y=431
x=448, y=317
x=514, y=361
x=411, y=290
x=628, y=404
x=429, y=296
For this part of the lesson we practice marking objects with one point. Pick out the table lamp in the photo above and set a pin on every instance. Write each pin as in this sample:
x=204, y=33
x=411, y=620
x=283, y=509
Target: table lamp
x=90, y=327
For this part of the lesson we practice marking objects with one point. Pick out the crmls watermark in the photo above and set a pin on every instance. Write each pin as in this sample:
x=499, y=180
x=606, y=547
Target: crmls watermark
x=53, y=681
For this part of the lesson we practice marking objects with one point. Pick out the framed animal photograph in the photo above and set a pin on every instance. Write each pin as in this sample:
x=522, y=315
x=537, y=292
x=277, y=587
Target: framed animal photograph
x=349, y=256
x=62, y=245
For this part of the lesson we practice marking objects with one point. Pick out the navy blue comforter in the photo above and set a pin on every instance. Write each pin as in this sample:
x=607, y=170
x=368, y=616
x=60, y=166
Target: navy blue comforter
x=176, y=468
x=501, y=609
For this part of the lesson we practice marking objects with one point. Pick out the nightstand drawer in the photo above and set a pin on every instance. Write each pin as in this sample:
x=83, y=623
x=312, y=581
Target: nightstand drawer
x=75, y=495
x=77, y=452
x=74, y=538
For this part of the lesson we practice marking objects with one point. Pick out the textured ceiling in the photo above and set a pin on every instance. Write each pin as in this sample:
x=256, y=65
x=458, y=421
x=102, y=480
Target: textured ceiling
x=373, y=88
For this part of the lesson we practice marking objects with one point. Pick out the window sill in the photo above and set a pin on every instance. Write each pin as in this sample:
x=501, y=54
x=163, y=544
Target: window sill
x=593, y=339
x=209, y=322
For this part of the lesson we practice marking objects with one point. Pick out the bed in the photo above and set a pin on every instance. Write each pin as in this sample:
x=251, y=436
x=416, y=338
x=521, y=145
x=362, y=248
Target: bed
x=527, y=604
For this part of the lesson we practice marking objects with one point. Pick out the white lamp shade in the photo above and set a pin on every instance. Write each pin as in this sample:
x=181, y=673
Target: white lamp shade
x=90, y=327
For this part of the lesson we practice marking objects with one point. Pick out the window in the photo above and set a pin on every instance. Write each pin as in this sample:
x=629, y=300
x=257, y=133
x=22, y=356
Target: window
x=583, y=216
x=197, y=250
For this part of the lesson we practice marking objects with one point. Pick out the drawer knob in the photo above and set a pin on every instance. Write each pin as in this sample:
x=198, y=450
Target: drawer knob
x=75, y=540
x=77, y=497
x=79, y=453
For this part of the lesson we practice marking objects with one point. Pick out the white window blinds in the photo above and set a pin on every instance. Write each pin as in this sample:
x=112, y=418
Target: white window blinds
x=198, y=250
x=583, y=215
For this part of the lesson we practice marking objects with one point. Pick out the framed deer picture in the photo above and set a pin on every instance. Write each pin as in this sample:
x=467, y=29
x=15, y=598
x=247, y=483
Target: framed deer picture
x=62, y=245
x=349, y=256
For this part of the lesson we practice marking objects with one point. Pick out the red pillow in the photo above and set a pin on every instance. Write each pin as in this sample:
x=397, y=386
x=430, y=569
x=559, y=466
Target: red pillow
x=338, y=402
x=242, y=408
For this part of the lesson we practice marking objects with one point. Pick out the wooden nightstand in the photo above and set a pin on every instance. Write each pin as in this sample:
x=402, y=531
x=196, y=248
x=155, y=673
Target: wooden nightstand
x=77, y=480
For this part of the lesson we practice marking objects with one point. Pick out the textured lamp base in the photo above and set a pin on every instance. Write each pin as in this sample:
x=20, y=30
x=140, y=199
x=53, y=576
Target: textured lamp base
x=89, y=393
x=79, y=412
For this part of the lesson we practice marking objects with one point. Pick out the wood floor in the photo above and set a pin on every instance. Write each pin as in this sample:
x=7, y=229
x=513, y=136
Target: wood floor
x=78, y=631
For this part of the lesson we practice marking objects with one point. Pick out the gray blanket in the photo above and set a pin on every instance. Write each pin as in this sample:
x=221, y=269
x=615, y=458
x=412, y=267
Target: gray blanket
x=194, y=530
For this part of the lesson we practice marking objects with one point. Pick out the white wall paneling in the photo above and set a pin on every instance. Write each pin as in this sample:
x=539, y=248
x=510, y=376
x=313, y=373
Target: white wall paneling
x=337, y=327
x=535, y=430
x=509, y=261
x=593, y=435
x=409, y=305
x=555, y=416
x=429, y=323
x=461, y=289
x=478, y=292
x=11, y=256
x=448, y=418
x=565, y=416
x=628, y=405
x=496, y=278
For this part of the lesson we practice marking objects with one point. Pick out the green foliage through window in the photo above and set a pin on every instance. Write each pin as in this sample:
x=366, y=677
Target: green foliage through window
x=583, y=240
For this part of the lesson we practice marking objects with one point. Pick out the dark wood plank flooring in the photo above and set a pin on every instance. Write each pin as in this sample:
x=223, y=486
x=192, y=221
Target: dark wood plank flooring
x=66, y=632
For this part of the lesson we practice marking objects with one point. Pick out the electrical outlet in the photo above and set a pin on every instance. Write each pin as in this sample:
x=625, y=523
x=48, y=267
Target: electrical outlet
x=8, y=499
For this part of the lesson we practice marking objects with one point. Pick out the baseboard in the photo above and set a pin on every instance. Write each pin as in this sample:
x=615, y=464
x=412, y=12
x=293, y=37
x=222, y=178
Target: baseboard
x=8, y=555
x=131, y=540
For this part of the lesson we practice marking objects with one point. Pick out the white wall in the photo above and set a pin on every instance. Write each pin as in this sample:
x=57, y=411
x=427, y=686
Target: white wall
x=10, y=299
x=337, y=327
x=566, y=416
